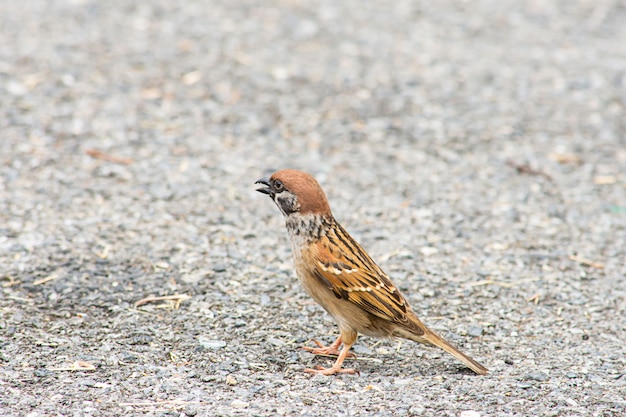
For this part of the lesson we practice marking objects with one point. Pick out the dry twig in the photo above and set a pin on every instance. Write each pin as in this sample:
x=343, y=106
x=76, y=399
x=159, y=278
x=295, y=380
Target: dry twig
x=527, y=169
x=94, y=153
x=176, y=403
x=502, y=283
x=11, y=281
x=77, y=366
x=534, y=298
x=46, y=279
x=566, y=158
x=585, y=261
x=177, y=298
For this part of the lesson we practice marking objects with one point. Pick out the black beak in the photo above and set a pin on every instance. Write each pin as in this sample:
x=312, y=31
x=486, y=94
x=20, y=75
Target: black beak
x=264, y=181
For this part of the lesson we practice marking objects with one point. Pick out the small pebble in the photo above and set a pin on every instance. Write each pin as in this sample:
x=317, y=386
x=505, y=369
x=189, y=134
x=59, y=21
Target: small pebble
x=238, y=404
x=230, y=380
x=401, y=382
x=211, y=344
x=536, y=376
x=475, y=331
x=428, y=250
x=190, y=410
x=265, y=299
x=361, y=350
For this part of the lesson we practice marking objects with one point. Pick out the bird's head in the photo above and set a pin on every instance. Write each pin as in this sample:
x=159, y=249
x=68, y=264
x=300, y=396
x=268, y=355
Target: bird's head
x=295, y=192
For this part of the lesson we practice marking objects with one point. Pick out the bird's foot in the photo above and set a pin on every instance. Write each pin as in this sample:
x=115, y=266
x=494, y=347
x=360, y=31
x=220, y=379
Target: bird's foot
x=332, y=371
x=331, y=350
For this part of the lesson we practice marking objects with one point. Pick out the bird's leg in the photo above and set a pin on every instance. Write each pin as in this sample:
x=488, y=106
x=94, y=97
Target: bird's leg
x=336, y=368
x=332, y=350
x=348, y=337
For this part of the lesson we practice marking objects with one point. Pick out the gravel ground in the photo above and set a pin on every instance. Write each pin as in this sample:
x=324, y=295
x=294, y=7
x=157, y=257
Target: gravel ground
x=476, y=149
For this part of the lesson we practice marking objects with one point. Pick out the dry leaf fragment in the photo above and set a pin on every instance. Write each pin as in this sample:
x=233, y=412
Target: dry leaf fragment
x=94, y=153
x=604, y=180
x=77, y=366
x=566, y=158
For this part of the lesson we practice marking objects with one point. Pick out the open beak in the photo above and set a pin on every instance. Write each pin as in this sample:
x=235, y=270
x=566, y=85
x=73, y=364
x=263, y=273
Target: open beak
x=265, y=190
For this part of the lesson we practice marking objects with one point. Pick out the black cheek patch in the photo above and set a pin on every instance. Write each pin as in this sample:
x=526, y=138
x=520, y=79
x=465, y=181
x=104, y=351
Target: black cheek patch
x=286, y=204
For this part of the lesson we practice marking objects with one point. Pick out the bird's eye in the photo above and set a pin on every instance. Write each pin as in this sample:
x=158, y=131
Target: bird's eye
x=279, y=186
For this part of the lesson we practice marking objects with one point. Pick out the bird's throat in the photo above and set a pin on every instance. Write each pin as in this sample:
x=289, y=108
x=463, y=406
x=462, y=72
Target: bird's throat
x=306, y=228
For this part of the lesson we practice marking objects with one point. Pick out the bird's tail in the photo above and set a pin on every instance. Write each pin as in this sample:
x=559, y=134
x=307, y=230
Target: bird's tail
x=432, y=338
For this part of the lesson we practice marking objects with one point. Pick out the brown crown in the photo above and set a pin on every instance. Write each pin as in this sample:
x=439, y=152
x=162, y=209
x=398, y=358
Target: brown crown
x=311, y=197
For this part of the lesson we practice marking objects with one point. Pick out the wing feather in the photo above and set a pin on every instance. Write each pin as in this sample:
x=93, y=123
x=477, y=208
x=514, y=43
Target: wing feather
x=349, y=272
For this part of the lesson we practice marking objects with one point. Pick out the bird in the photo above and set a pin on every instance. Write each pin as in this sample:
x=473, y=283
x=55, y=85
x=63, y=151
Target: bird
x=341, y=277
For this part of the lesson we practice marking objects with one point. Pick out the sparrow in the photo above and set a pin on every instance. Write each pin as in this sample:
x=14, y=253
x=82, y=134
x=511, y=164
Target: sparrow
x=340, y=276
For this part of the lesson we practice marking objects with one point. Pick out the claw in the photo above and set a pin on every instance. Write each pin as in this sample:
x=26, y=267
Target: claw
x=334, y=351
x=331, y=350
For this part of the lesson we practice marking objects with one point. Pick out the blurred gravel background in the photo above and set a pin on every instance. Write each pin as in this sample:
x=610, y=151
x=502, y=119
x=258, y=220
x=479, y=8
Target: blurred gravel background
x=476, y=149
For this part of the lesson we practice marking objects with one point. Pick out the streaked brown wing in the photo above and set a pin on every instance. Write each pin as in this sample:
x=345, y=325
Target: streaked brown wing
x=342, y=265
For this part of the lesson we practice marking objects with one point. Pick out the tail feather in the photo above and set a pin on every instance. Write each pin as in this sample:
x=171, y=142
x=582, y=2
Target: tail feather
x=431, y=338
